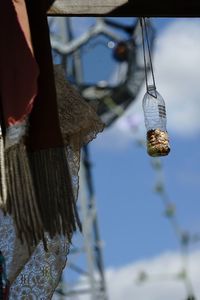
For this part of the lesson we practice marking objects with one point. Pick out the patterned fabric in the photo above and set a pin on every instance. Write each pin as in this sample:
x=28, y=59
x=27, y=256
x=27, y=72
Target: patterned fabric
x=44, y=123
x=35, y=273
x=38, y=275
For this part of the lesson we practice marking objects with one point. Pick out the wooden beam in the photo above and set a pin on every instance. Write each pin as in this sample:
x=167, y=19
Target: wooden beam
x=84, y=6
x=146, y=8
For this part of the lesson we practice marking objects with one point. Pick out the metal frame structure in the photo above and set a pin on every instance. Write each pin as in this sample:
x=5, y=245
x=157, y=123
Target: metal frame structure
x=110, y=98
x=92, y=274
x=91, y=245
x=110, y=101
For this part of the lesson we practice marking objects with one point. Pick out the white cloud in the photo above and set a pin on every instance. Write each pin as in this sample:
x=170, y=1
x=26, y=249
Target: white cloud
x=176, y=62
x=122, y=282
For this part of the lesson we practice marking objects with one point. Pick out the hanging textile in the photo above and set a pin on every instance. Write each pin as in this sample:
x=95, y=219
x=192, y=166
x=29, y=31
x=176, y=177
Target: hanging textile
x=43, y=127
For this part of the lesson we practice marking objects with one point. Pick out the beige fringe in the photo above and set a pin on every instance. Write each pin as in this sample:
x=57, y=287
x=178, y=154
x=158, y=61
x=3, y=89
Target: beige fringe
x=39, y=194
x=21, y=201
x=54, y=191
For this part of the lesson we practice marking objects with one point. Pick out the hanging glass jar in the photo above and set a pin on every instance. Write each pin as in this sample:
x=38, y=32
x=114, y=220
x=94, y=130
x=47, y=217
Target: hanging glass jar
x=155, y=122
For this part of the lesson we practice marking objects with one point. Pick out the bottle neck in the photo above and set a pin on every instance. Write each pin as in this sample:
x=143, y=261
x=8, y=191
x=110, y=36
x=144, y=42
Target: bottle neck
x=151, y=90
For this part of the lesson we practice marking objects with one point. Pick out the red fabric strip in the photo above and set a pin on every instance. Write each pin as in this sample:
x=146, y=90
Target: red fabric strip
x=18, y=68
x=44, y=130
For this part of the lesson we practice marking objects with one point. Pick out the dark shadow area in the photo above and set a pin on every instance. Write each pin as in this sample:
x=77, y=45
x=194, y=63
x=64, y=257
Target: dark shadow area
x=169, y=8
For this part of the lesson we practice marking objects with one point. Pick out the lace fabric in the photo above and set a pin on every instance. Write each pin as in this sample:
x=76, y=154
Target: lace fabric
x=34, y=273
x=38, y=274
x=78, y=120
x=42, y=272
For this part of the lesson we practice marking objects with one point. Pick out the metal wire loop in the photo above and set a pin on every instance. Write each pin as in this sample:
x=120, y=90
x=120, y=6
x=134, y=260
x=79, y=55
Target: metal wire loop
x=147, y=50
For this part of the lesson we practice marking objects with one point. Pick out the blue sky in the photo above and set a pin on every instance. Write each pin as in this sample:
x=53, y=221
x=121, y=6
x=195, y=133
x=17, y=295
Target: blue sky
x=131, y=215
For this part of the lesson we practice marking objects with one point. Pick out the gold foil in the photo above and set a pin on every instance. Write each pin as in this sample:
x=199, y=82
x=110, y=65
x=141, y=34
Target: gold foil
x=157, y=142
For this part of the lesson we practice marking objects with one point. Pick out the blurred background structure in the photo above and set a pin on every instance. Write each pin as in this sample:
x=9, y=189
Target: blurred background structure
x=110, y=99
x=103, y=58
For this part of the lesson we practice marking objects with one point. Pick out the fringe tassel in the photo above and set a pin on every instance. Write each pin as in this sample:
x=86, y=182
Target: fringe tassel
x=54, y=191
x=21, y=201
x=39, y=193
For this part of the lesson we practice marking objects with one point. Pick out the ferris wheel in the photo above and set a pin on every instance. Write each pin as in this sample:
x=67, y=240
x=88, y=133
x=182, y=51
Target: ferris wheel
x=123, y=41
x=103, y=59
